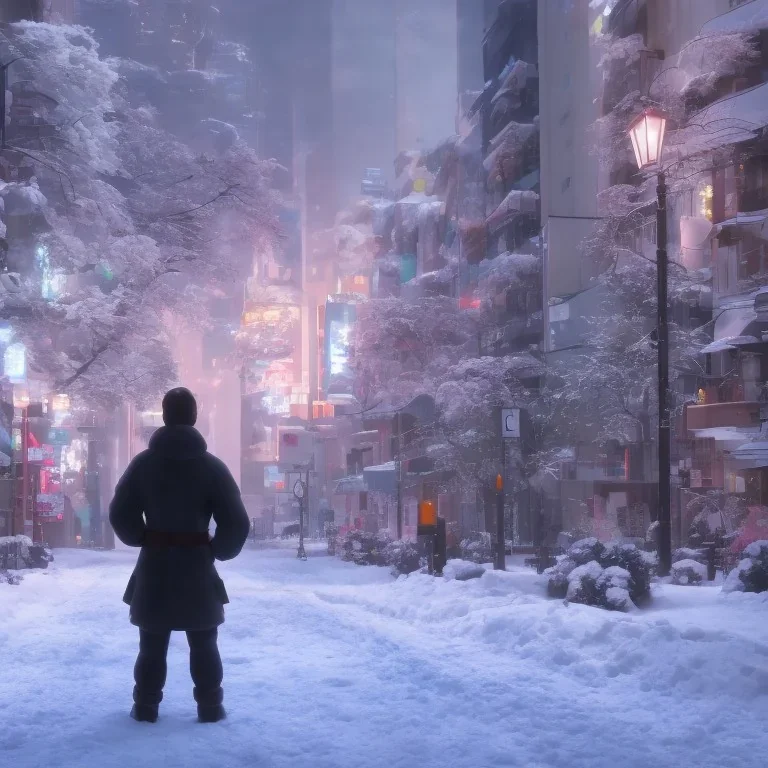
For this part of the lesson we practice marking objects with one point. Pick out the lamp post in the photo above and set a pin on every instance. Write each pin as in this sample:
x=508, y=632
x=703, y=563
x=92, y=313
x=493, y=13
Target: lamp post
x=299, y=491
x=647, y=133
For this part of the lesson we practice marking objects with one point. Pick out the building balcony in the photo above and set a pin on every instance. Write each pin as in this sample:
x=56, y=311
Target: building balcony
x=715, y=415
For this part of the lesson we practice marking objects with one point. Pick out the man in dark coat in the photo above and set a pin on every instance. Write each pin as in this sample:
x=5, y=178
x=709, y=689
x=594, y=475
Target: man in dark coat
x=164, y=504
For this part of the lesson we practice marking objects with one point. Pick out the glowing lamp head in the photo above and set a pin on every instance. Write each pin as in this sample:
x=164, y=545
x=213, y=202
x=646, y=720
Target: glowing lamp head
x=647, y=136
x=427, y=514
x=499, y=483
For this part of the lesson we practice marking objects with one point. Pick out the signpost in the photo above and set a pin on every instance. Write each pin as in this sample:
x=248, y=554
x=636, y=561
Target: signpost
x=510, y=430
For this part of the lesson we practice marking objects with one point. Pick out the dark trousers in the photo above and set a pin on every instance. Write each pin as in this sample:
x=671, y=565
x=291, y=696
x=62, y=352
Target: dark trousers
x=204, y=664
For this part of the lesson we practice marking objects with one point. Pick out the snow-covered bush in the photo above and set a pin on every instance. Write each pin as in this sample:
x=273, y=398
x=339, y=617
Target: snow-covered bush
x=751, y=574
x=403, y=557
x=477, y=550
x=6, y=577
x=688, y=553
x=19, y=552
x=688, y=572
x=591, y=584
x=365, y=548
x=637, y=563
x=594, y=574
x=462, y=570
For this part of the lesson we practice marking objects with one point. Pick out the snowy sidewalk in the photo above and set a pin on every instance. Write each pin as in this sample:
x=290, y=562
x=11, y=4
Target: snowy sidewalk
x=329, y=665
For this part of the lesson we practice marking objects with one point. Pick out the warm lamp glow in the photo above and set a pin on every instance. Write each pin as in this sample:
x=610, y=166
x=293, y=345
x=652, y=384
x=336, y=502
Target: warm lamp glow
x=647, y=136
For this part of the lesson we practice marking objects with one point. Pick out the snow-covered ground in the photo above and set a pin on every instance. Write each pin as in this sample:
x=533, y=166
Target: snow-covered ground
x=329, y=665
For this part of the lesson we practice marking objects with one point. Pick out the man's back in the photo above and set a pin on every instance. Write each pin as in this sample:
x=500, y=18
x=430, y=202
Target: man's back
x=164, y=504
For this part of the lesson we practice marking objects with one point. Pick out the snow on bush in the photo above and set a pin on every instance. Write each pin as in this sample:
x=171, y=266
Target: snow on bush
x=687, y=553
x=751, y=574
x=19, y=552
x=366, y=548
x=591, y=584
x=462, y=570
x=688, y=572
x=477, y=550
x=613, y=576
x=403, y=557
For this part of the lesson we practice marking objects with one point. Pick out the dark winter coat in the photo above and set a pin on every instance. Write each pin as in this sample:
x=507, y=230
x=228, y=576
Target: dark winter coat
x=178, y=487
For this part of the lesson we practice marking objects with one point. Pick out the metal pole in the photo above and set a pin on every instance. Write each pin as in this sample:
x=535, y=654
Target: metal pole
x=3, y=105
x=501, y=564
x=665, y=432
x=25, y=467
x=399, y=423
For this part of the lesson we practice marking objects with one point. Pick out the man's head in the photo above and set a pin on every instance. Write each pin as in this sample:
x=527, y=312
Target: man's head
x=179, y=408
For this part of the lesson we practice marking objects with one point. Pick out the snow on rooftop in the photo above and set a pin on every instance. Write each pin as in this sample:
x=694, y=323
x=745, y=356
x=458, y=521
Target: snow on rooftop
x=748, y=17
x=731, y=120
x=731, y=342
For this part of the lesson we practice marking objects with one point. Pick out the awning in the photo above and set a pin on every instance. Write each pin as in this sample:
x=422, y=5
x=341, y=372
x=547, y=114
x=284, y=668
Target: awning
x=751, y=455
x=517, y=202
x=732, y=342
x=730, y=120
x=727, y=434
x=381, y=478
x=749, y=17
x=351, y=484
x=734, y=321
x=754, y=223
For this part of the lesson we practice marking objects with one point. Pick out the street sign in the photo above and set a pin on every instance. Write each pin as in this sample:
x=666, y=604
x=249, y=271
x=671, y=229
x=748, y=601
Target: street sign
x=510, y=423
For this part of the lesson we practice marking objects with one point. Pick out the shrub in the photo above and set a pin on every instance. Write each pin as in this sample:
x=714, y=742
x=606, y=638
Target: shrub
x=591, y=584
x=6, y=577
x=595, y=574
x=19, y=551
x=403, y=557
x=751, y=574
x=688, y=572
x=687, y=553
x=637, y=563
x=477, y=550
x=365, y=548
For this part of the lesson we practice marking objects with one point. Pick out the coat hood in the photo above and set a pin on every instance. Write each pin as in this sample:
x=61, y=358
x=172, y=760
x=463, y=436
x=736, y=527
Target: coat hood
x=178, y=443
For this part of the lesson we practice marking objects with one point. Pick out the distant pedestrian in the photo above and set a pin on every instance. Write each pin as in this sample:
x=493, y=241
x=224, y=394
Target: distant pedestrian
x=164, y=504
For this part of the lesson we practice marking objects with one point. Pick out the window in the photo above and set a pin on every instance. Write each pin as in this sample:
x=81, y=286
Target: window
x=754, y=174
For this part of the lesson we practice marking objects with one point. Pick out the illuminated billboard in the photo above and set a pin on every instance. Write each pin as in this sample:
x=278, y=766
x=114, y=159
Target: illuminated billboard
x=339, y=321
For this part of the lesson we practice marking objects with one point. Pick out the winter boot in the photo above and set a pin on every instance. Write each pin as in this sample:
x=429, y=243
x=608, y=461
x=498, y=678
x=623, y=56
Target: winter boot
x=144, y=713
x=210, y=713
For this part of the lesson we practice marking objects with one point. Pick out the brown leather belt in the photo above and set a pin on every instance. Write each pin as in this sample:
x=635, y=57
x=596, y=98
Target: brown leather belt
x=164, y=539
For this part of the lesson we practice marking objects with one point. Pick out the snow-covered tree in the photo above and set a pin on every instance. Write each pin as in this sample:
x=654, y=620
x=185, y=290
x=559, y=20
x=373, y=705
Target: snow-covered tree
x=135, y=221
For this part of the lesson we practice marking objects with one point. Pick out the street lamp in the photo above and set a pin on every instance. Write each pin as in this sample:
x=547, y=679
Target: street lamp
x=299, y=491
x=647, y=135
